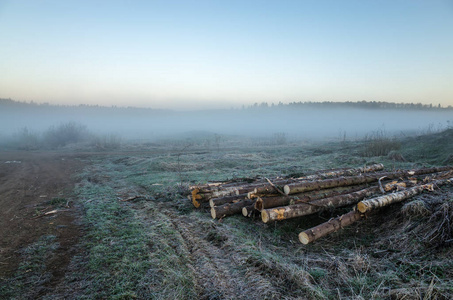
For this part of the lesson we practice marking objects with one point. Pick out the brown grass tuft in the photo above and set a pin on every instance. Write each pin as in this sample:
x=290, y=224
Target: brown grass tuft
x=440, y=228
x=396, y=156
x=415, y=209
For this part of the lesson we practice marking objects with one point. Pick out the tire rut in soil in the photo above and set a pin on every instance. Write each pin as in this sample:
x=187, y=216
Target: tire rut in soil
x=217, y=267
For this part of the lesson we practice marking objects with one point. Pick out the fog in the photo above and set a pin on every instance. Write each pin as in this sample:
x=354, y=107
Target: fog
x=297, y=123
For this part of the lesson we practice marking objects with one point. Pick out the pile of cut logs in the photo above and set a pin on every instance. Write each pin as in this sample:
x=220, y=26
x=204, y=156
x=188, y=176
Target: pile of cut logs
x=365, y=189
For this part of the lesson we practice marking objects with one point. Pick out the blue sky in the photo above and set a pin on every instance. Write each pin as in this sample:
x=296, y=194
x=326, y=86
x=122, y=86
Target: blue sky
x=221, y=54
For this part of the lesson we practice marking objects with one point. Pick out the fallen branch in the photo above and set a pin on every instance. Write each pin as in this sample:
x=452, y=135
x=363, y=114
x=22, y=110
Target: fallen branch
x=380, y=184
x=275, y=187
x=50, y=213
x=130, y=199
x=134, y=198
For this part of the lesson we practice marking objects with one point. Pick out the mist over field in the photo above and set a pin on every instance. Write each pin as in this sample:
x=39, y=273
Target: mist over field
x=303, y=122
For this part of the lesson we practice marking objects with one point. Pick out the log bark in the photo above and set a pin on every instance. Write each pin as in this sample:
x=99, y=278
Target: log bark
x=327, y=183
x=267, y=189
x=220, y=190
x=348, y=172
x=239, y=185
x=195, y=198
x=199, y=198
x=227, y=199
x=218, y=194
x=218, y=212
x=213, y=190
x=312, y=234
x=269, y=202
x=208, y=185
x=320, y=174
x=301, y=187
x=308, y=208
x=374, y=203
x=262, y=203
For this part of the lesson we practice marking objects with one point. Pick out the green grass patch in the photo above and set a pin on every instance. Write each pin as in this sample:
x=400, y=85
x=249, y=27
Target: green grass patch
x=126, y=257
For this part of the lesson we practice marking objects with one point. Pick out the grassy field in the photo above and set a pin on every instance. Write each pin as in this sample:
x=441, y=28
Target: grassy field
x=159, y=247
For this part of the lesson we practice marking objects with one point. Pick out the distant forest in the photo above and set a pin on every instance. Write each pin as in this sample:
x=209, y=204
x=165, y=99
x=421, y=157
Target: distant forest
x=359, y=104
x=8, y=103
x=299, y=120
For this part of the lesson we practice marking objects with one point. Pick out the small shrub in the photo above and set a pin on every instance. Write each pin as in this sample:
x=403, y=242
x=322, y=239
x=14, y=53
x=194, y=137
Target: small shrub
x=377, y=144
x=318, y=273
x=107, y=142
x=440, y=229
x=57, y=201
x=396, y=156
x=279, y=138
x=415, y=209
x=64, y=134
x=448, y=160
x=25, y=139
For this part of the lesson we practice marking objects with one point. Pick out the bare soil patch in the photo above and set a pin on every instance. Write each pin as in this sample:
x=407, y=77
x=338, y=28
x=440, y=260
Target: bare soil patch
x=32, y=183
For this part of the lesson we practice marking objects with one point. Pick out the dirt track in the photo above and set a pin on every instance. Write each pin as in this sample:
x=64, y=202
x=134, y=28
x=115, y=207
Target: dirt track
x=30, y=184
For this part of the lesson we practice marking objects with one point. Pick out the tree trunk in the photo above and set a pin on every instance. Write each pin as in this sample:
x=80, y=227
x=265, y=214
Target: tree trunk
x=227, y=199
x=312, y=234
x=239, y=185
x=261, y=186
x=268, y=189
x=303, y=209
x=199, y=198
x=320, y=174
x=218, y=212
x=370, y=204
x=327, y=183
x=348, y=172
x=301, y=187
x=220, y=192
x=269, y=202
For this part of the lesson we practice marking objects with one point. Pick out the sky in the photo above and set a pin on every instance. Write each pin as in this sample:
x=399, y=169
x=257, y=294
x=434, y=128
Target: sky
x=223, y=54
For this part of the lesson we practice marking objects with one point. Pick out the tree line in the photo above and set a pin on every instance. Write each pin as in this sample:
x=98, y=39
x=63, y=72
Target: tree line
x=8, y=103
x=352, y=104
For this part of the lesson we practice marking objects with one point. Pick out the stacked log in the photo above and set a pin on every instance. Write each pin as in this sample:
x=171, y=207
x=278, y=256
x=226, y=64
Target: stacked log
x=363, y=207
x=225, y=200
x=305, y=186
x=271, y=188
x=276, y=199
x=269, y=202
x=228, y=209
x=308, y=208
x=302, y=208
x=374, y=203
x=204, y=193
